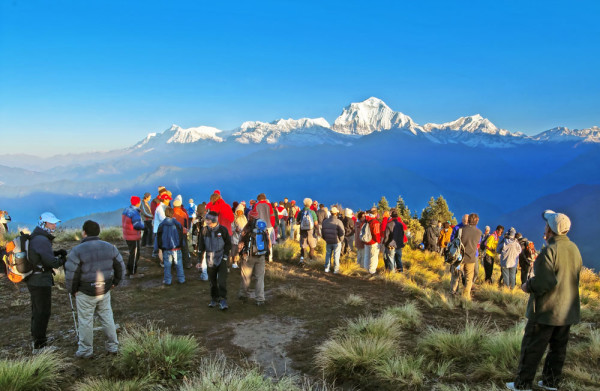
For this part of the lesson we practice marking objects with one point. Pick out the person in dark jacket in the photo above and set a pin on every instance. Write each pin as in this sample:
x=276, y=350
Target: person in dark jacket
x=393, y=242
x=40, y=282
x=526, y=257
x=131, y=222
x=348, y=242
x=147, y=216
x=94, y=267
x=214, y=243
x=553, y=306
x=170, y=241
x=322, y=214
x=333, y=233
x=432, y=234
x=470, y=236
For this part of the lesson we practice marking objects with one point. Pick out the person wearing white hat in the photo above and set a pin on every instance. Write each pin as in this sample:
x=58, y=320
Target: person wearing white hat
x=40, y=282
x=553, y=306
x=333, y=234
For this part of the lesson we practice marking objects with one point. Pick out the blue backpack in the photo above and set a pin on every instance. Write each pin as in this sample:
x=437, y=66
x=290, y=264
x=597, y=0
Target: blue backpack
x=260, y=236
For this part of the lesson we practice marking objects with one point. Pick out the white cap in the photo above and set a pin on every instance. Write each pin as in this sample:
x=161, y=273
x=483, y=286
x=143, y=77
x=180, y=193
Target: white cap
x=348, y=212
x=48, y=217
x=334, y=210
x=559, y=223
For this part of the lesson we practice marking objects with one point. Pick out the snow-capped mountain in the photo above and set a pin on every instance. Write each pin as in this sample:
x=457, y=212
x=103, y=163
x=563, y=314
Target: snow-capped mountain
x=471, y=124
x=304, y=131
x=178, y=135
x=561, y=134
x=372, y=115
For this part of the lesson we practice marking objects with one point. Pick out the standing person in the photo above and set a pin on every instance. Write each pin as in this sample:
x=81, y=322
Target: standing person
x=159, y=216
x=470, y=236
x=94, y=267
x=431, y=237
x=481, y=252
x=322, y=214
x=552, y=308
x=490, y=252
x=254, y=247
x=132, y=225
x=170, y=240
x=197, y=225
x=40, y=282
x=444, y=238
x=215, y=243
x=294, y=226
x=181, y=215
x=191, y=209
x=4, y=220
x=333, y=233
x=509, y=250
x=282, y=213
x=372, y=247
x=360, y=245
x=393, y=243
x=239, y=223
x=527, y=256
x=307, y=221
x=222, y=209
x=147, y=216
x=348, y=243
x=266, y=214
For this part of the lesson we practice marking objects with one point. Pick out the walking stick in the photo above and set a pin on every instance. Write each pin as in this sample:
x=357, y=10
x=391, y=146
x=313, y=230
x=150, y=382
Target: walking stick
x=74, y=316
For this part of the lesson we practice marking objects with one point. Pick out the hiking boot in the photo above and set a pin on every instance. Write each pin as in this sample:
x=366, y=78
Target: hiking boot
x=212, y=304
x=550, y=388
x=235, y=266
x=223, y=304
x=511, y=386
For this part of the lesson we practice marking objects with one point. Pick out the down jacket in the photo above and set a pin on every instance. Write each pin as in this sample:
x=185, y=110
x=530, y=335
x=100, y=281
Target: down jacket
x=169, y=235
x=394, y=234
x=509, y=250
x=93, y=267
x=332, y=230
x=132, y=223
x=42, y=258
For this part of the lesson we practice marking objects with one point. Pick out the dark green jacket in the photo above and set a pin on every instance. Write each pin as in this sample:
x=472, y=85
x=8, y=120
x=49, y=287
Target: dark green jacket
x=554, y=291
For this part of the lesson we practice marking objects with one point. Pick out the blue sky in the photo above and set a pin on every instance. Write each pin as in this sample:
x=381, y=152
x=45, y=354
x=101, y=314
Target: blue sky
x=98, y=75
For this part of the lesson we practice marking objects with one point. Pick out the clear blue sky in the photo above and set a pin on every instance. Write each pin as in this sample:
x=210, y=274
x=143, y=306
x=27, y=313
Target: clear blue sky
x=97, y=75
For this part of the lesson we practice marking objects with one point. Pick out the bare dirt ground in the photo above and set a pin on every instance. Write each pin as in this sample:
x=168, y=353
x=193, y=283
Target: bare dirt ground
x=282, y=336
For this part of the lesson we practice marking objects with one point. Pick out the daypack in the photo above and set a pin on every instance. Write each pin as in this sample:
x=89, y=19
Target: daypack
x=307, y=223
x=257, y=244
x=18, y=267
x=456, y=249
x=365, y=233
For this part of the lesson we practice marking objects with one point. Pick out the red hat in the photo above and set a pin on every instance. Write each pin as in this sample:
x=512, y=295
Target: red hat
x=135, y=200
x=217, y=192
x=293, y=202
x=165, y=196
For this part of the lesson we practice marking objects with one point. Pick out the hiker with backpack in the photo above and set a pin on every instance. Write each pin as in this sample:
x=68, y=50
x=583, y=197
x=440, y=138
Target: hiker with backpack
x=197, y=225
x=490, y=252
x=282, y=215
x=393, y=242
x=469, y=236
x=170, y=241
x=214, y=243
x=333, y=233
x=553, y=306
x=348, y=243
x=509, y=250
x=527, y=256
x=371, y=236
x=432, y=234
x=92, y=269
x=159, y=216
x=254, y=247
x=132, y=225
x=307, y=221
x=444, y=237
x=43, y=261
x=181, y=215
x=266, y=214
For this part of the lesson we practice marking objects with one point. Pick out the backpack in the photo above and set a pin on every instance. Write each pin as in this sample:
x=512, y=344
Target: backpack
x=307, y=223
x=18, y=267
x=482, y=244
x=365, y=233
x=258, y=239
x=455, y=251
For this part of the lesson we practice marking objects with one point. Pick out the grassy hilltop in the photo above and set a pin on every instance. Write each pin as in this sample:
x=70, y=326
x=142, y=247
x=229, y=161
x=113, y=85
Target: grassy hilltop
x=318, y=331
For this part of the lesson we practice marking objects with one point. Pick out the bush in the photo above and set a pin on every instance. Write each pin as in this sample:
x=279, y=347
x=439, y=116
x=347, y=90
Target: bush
x=40, y=372
x=144, y=384
x=150, y=350
x=111, y=234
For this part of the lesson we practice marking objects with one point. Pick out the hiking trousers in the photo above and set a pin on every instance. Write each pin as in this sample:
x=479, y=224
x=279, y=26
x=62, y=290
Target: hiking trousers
x=536, y=338
x=488, y=266
x=249, y=267
x=467, y=271
x=217, y=275
x=371, y=257
x=360, y=256
x=147, y=236
x=134, y=255
x=41, y=306
x=86, y=307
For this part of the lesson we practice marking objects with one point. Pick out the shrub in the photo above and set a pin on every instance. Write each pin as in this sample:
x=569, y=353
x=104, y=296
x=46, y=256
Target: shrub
x=144, y=384
x=353, y=300
x=407, y=315
x=111, y=234
x=150, y=350
x=40, y=372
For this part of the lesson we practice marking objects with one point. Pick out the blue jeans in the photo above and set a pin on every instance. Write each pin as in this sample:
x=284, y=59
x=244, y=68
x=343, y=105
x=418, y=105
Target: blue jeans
x=398, y=260
x=509, y=275
x=282, y=224
x=392, y=258
x=333, y=249
x=173, y=257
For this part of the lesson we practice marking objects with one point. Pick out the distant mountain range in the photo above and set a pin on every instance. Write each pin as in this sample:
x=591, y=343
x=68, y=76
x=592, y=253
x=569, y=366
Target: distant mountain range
x=369, y=151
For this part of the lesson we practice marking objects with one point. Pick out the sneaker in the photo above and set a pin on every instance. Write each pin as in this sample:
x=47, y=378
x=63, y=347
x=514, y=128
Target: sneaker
x=541, y=385
x=212, y=304
x=511, y=386
x=327, y=270
x=260, y=303
x=162, y=264
x=235, y=266
x=204, y=276
x=48, y=349
x=223, y=304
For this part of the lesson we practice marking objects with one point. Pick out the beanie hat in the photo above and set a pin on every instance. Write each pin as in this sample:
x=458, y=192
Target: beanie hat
x=217, y=192
x=177, y=202
x=212, y=216
x=135, y=200
x=559, y=223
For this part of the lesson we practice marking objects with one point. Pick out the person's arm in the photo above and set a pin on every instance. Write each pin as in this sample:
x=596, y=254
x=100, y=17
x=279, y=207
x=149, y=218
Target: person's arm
x=201, y=245
x=118, y=267
x=136, y=221
x=72, y=272
x=180, y=233
x=227, y=239
x=48, y=258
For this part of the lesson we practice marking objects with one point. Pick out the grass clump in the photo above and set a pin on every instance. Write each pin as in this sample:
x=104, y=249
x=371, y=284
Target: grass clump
x=405, y=372
x=353, y=300
x=286, y=251
x=111, y=234
x=93, y=384
x=290, y=292
x=462, y=347
x=407, y=315
x=40, y=372
x=385, y=326
x=150, y=350
x=275, y=272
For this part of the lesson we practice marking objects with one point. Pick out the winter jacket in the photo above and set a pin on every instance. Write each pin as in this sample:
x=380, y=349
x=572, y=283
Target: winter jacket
x=554, y=290
x=42, y=258
x=348, y=226
x=332, y=230
x=491, y=244
x=470, y=237
x=444, y=238
x=159, y=216
x=191, y=210
x=146, y=211
x=281, y=213
x=154, y=204
x=132, y=223
x=431, y=237
x=223, y=210
x=265, y=213
x=215, y=243
x=170, y=235
x=321, y=215
x=394, y=234
x=509, y=250
x=375, y=227
x=181, y=215
x=524, y=260
x=455, y=230
x=93, y=267
x=357, y=242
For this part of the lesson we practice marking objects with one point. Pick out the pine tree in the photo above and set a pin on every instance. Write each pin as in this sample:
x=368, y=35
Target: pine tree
x=436, y=210
x=402, y=209
x=382, y=206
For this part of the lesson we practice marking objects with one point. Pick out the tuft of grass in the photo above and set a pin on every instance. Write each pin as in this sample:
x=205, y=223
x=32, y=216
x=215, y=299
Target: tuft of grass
x=385, y=326
x=500, y=352
x=111, y=234
x=321, y=248
x=150, y=350
x=515, y=301
x=41, y=372
x=405, y=372
x=462, y=347
x=273, y=273
x=287, y=251
x=351, y=268
x=97, y=384
x=353, y=300
x=407, y=315
x=589, y=350
x=290, y=292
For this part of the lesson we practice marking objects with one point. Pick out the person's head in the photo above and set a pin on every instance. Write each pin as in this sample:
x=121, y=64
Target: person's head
x=374, y=211
x=135, y=201
x=439, y=223
x=165, y=198
x=499, y=230
x=556, y=223
x=293, y=202
x=161, y=189
x=214, y=197
x=261, y=197
x=386, y=214
x=334, y=210
x=275, y=204
x=212, y=219
x=307, y=202
x=169, y=212
x=321, y=206
x=511, y=233
x=394, y=213
x=361, y=215
x=90, y=228
x=252, y=202
x=191, y=201
x=465, y=219
x=446, y=225
x=473, y=219
x=285, y=200
x=518, y=235
x=177, y=203
x=348, y=212
x=487, y=229
x=147, y=196
x=48, y=221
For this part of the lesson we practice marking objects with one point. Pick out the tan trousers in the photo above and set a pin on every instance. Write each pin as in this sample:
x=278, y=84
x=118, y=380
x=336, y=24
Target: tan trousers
x=468, y=269
x=249, y=266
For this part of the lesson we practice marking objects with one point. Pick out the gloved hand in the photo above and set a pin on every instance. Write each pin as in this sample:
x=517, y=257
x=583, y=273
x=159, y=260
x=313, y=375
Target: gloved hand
x=62, y=253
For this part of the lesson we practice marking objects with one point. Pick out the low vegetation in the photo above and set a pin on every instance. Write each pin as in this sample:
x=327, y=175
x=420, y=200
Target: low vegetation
x=40, y=372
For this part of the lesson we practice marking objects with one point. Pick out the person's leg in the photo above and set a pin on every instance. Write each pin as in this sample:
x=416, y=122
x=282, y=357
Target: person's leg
x=168, y=258
x=455, y=278
x=41, y=307
x=86, y=305
x=328, y=253
x=524, y=273
x=398, y=260
x=155, y=249
x=259, y=273
x=246, y=267
x=185, y=253
x=512, y=276
x=360, y=256
x=222, y=280
x=505, y=276
x=469, y=270
x=105, y=314
x=337, y=249
x=177, y=259
x=214, y=287
x=488, y=265
x=533, y=346
x=131, y=247
x=555, y=359
x=476, y=270
x=367, y=257
x=373, y=258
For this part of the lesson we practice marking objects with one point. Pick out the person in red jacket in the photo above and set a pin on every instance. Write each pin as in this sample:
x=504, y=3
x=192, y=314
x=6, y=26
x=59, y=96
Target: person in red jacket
x=372, y=247
x=222, y=209
x=132, y=225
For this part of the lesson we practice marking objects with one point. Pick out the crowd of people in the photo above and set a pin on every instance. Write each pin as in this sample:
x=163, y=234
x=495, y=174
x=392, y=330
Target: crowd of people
x=241, y=236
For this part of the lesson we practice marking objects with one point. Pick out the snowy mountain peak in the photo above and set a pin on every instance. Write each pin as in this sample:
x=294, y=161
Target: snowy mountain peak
x=300, y=130
x=372, y=115
x=562, y=133
x=471, y=124
x=178, y=135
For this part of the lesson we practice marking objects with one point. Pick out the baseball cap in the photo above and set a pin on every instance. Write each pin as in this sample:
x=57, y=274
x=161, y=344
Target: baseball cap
x=559, y=223
x=48, y=217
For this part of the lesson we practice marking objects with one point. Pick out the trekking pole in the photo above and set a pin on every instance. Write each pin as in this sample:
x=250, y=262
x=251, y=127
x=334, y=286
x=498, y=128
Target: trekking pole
x=74, y=316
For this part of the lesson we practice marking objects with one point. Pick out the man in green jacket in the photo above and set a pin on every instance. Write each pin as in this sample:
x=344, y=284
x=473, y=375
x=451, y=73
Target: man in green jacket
x=552, y=308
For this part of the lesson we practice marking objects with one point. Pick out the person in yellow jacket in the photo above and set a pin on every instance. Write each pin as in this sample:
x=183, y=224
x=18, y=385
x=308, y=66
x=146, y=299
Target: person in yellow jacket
x=444, y=238
x=490, y=252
